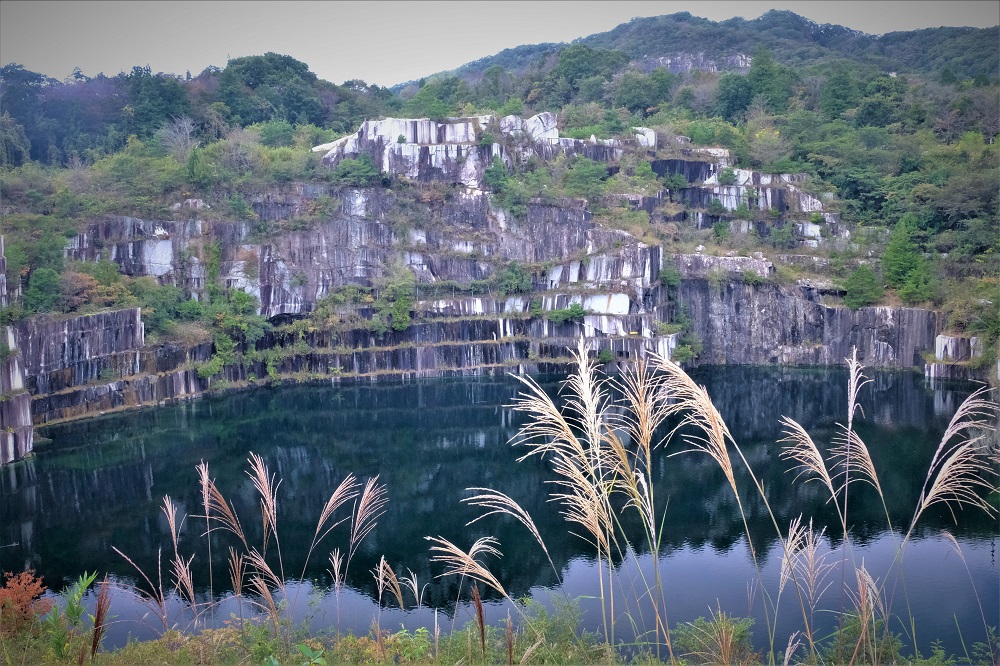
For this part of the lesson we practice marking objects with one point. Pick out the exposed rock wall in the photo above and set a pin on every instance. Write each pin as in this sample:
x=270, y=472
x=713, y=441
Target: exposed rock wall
x=16, y=432
x=740, y=323
x=955, y=357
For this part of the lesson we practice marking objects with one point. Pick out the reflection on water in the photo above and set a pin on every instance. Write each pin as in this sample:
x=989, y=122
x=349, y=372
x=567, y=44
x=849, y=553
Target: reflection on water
x=102, y=484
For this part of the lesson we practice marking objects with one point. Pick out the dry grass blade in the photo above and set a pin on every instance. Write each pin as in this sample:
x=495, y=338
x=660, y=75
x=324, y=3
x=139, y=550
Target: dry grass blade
x=170, y=511
x=236, y=569
x=960, y=472
x=336, y=568
x=856, y=380
x=153, y=599
x=100, y=617
x=222, y=512
x=410, y=582
x=268, y=491
x=793, y=644
x=716, y=642
x=463, y=563
x=344, y=493
x=263, y=570
x=183, y=580
x=699, y=412
x=203, y=482
x=548, y=430
x=793, y=544
x=477, y=601
x=851, y=455
x=264, y=592
x=497, y=502
x=369, y=508
x=647, y=401
x=802, y=450
x=385, y=577
x=531, y=650
x=803, y=558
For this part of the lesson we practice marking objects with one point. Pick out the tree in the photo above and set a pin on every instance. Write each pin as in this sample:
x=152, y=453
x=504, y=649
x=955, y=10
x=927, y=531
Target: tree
x=585, y=179
x=771, y=80
x=44, y=291
x=732, y=96
x=15, y=149
x=900, y=256
x=921, y=284
x=862, y=287
x=514, y=279
x=839, y=93
x=177, y=138
x=357, y=172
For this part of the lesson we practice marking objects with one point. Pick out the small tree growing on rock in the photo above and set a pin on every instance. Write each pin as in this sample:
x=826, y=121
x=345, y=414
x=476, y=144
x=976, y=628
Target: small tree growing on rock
x=863, y=288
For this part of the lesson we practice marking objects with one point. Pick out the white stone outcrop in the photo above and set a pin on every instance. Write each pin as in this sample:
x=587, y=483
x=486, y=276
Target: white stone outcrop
x=453, y=149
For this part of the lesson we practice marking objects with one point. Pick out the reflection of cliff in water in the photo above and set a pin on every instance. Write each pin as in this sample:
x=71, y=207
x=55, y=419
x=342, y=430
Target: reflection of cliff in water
x=103, y=483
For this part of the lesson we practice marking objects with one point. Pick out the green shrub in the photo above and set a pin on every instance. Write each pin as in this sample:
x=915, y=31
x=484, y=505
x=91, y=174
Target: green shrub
x=727, y=177
x=863, y=288
x=585, y=179
x=514, y=279
x=574, y=312
x=670, y=276
x=356, y=172
x=722, y=640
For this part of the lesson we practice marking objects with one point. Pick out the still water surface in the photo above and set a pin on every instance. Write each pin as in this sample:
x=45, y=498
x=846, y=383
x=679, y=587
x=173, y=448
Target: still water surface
x=102, y=481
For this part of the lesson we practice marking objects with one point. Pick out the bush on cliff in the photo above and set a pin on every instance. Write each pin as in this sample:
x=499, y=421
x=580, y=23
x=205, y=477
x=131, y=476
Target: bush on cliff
x=863, y=288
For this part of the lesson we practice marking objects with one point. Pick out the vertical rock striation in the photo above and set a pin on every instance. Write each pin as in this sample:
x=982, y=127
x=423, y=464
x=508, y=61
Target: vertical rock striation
x=16, y=431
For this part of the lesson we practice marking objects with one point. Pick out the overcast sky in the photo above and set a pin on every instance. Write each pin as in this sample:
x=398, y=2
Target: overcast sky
x=380, y=42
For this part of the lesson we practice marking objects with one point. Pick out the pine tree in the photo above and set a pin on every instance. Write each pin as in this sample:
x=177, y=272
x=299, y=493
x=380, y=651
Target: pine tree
x=921, y=283
x=900, y=256
x=862, y=288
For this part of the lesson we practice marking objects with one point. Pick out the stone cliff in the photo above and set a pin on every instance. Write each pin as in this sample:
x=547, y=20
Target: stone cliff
x=435, y=221
x=16, y=433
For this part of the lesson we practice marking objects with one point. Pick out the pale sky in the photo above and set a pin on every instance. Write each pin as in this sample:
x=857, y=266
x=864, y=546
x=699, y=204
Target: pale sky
x=380, y=42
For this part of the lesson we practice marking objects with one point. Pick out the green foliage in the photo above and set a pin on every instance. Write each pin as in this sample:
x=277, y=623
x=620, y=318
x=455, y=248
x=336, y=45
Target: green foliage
x=585, y=179
x=670, y=276
x=277, y=133
x=15, y=149
x=574, y=312
x=783, y=237
x=727, y=176
x=722, y=640
x=240, y=209
x=863, y=288
x=160, y=303
x=721, y=231
x=605, y=356
x=61, y=625
x=921, y=283
x=900, y=256
x=513, y=279
x=43, y=294
x=839, y=93
x=356, y=172
x=863, y=644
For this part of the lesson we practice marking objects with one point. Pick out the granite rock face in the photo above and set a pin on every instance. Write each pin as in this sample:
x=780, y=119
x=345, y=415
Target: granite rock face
x=954, y=358
x=740, y=323
x=16, y=431
x=458, y=149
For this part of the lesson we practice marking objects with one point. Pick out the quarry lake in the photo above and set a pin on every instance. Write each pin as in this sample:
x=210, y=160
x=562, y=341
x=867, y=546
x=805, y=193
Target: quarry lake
x=101, y=482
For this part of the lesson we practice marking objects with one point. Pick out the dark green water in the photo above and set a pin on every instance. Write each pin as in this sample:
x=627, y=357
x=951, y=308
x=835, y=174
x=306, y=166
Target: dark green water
x=102, y=482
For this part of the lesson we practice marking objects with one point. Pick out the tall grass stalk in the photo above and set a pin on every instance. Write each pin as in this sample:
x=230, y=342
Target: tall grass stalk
x=700, y=413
